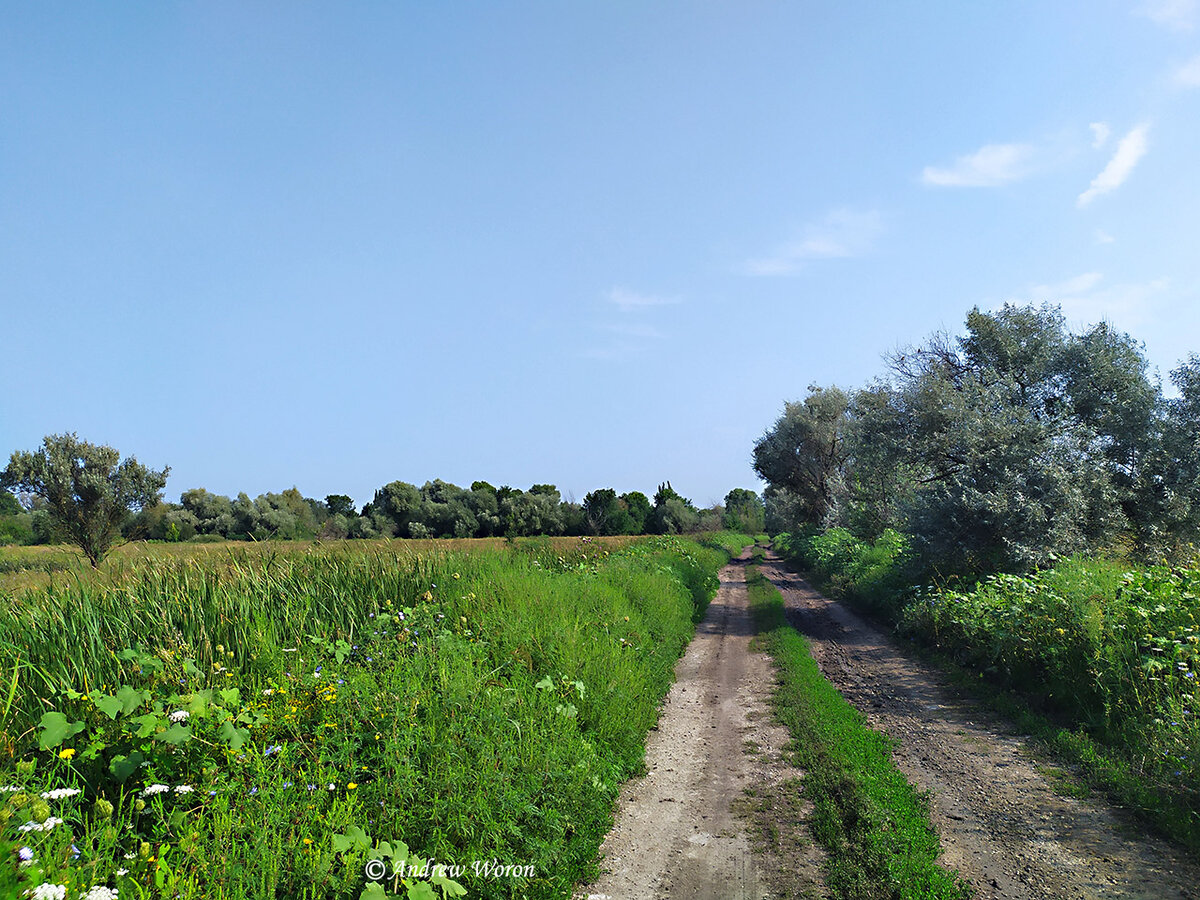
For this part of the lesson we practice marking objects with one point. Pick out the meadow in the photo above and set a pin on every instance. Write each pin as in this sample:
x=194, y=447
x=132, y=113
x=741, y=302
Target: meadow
x=1102, y=657
x=281, y=720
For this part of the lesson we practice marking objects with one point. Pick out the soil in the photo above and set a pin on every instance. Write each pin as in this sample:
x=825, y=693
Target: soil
x=1002, y=824
x=718, y=813
x=684, y=830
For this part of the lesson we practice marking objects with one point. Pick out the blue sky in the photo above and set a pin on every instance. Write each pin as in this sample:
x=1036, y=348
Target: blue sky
x=595, y=244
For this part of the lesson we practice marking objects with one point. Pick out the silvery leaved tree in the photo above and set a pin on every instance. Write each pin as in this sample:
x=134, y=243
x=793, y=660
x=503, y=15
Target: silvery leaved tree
x=89, y=491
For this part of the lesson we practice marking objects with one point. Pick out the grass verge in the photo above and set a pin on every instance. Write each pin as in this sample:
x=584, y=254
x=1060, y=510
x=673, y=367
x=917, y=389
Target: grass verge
x=873, y=824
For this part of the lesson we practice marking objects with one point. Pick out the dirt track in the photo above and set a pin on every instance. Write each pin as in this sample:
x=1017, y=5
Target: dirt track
x=678, y=832
x=1002, y=825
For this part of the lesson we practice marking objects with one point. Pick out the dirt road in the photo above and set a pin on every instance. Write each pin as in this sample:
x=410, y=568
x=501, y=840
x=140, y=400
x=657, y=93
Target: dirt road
x=1002, y=825
x=677, y=834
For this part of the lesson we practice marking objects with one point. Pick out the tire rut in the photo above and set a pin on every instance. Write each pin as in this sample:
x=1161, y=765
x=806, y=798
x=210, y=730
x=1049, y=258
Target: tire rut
x=1001, y=823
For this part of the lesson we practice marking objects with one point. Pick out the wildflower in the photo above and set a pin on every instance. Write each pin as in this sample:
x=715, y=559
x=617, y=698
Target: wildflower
x=60, y=793
x=155, y=789
x=268, y=692
x=48, y=825
x=122, y=872
x=48, y=891
x=180, y=715
x=351, y=786
x=184, y=789
x=66, y=754
x=272, y=750
x=8, y=789
x=253, y=790
x=26, y=856
x=101, y=892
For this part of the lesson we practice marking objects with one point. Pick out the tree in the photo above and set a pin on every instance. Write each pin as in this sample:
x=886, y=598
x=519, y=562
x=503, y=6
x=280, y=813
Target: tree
x=673, y=513
x=88, y=489
x=1007, y=447
x=743, y=511
x=806, y=453
x=339, y=505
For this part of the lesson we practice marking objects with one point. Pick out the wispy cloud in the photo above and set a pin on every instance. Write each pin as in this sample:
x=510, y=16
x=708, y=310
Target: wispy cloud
x=989, y=166
x=631, y=335
x=842, y=233
x=626, y=300
x=1103, y=237
x=1100, y=133
x=1130, y=151
x=1086, y=299
x=1188, y=75
x=1177, y=15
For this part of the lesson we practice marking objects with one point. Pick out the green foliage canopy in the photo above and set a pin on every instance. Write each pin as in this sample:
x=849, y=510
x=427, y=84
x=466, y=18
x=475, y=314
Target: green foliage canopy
x=89, y=491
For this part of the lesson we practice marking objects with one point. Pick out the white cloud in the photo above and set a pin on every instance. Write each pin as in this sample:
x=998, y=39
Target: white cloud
x=990, y=165
x=842, y=233
x=1084, y=300
x=1130, y=151
x=1100, y=133
x=626, y=300
x=1188, y=75
x=1103, y=237
x=1177, y=15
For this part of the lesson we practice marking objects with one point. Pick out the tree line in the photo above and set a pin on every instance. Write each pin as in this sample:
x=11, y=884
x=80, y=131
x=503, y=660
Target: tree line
x=80, y=492
x=1002, y=449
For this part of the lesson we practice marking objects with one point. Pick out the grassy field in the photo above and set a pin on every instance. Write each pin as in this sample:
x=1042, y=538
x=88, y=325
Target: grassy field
x=269, y=720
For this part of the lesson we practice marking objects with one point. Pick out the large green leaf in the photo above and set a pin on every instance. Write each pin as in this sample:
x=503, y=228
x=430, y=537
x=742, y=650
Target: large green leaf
x=56, y=728
x=110, y=706
x=177, y=734
x=124, y=766
x=236, y=737
x=354, y=839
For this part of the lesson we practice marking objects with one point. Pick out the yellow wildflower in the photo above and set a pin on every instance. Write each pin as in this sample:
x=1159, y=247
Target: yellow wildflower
x=66, y=754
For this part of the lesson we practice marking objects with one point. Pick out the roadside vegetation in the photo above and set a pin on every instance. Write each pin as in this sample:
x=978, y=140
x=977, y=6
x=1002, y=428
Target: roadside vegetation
x=1097, y=658
x=266, y=721
x=873, y=825
x=1025, y=501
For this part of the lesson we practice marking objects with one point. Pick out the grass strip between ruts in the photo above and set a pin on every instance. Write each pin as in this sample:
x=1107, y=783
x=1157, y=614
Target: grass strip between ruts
x=873, y=824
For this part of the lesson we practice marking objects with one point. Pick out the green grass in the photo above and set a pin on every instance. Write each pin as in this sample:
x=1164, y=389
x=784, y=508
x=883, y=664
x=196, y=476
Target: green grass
x=481, y=705
x=874, y=826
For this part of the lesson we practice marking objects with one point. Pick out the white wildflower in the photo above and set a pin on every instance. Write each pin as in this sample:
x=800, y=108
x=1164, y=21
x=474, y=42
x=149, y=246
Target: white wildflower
x=156, y=789
x=60, y=793
x=49, y=825
x=184, y=789
x=180, y=715
x=48, y=891
x=101, y=892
